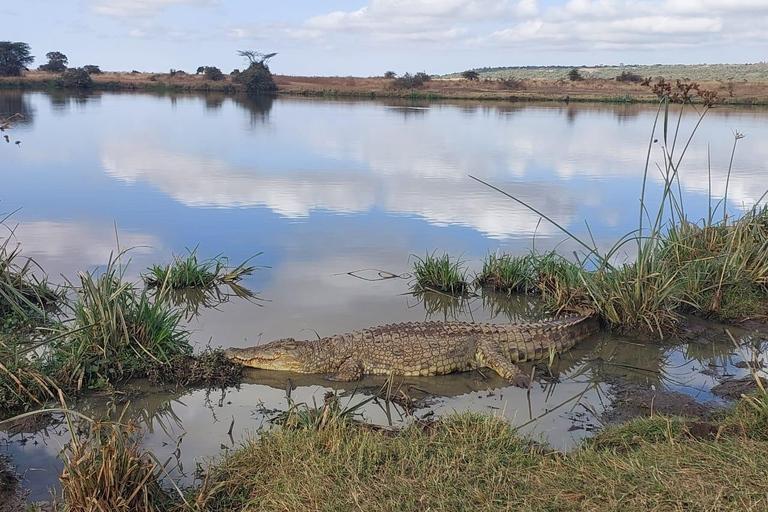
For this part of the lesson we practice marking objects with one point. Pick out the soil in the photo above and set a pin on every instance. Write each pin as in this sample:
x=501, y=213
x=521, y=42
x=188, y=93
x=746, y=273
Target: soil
x=636, y=401
x=10, y=501
x=733, y=389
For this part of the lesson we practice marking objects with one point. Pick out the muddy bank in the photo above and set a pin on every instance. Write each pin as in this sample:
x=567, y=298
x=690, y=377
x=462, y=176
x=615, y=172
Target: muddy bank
x=631, y=401
x=10, y=494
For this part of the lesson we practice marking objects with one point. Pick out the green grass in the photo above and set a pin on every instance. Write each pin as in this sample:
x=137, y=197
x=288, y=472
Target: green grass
x=479, y=462
x=188, y=272
x=23, y=384
x=117, y=332
x=716, y=267
x=26, y=300
x=441, y=274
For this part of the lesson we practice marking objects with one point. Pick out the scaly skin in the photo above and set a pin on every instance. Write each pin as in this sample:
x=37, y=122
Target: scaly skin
x=412, y=349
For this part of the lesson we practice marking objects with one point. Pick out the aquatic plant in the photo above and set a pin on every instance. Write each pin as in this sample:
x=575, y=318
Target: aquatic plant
x=26, y=296
x=716, y=267
x=440, y=273
x=507, y=273
x=188, y=272
x=117, y=331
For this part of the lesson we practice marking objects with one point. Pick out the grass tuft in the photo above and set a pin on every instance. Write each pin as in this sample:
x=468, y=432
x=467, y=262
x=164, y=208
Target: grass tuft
x=117, y=332
x=190, y=273
x=441, y=274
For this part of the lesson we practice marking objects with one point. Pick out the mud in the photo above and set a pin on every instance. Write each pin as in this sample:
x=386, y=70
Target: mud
x=733, y=389
x=10, y=499
x=631, y=401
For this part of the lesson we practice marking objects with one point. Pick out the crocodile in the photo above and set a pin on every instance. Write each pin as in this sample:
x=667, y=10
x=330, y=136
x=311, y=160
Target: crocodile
x=422, y=349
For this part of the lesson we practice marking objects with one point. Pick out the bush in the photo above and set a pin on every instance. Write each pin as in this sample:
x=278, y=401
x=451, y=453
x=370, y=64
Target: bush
x=213, y=73
x=574, y=75
x=471, y=75
x=92, y=69
x=409, y=81
x=75, y=78
x=257, y=79
x=390, y=75
x=512, y=84
x=629, y=78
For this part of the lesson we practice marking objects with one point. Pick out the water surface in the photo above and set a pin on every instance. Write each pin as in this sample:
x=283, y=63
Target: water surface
x=333, y=192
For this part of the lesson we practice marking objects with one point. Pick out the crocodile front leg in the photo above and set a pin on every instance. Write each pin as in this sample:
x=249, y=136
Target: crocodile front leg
x=491, y=355
x=350, y=370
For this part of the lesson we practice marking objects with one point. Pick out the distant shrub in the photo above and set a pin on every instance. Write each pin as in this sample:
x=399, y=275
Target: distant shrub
x=57, y=63
x=390, y=74
x=423, y=76
x=92, y=69
x=213, y=73
x=512, y=84
x=629, y=78
x=235, y=72
x=257, y=79
x=75, y=78
x=134, y=72
x=574, y=75
x=470, y=75
x=409, y=81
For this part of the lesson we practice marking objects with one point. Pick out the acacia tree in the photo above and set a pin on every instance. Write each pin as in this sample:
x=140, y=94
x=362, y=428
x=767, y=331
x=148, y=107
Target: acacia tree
x=14, y=58
x=257, y=78
x=57, y=63
x=470, y=75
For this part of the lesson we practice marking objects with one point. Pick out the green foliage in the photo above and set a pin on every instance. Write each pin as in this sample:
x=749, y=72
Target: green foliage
x=23, y=384
x=257, y=79
x=440, y=273
x=92, y=69
x=629, y=78
x=409, y=81
x=57, y=63
x=213, y=73
x=25, y=299
x=14, y=58
x=75, y=78
x=117, y=332
x=471, y=75
x=190, y=273
x=574, y=75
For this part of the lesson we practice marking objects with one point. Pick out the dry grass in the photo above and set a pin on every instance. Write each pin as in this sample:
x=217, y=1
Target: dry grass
x=540, y=88
x=471, y=462
x=110, y=472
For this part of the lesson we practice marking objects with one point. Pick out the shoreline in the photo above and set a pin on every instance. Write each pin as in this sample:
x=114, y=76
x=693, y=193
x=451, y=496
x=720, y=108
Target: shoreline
x=590, y=90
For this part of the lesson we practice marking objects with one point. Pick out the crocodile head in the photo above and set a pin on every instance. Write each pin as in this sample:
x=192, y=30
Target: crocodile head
x=285, y=354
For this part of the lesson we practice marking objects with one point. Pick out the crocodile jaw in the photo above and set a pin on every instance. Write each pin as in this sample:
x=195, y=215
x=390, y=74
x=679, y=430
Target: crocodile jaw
x=280, y=355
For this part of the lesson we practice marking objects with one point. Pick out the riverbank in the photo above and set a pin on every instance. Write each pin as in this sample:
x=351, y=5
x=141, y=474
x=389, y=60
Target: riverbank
x=588, y=90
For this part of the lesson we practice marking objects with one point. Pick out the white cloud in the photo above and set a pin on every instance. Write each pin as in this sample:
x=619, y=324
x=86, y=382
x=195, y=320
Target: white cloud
x=139, y=8
x=67, y=247
x=573, y=25
x=389, y=20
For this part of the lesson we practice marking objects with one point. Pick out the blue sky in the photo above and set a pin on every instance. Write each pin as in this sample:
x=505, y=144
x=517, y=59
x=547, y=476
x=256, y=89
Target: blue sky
x=368, y=37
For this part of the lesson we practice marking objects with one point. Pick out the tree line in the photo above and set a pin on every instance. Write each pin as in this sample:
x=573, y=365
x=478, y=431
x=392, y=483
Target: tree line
x=16, y=57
